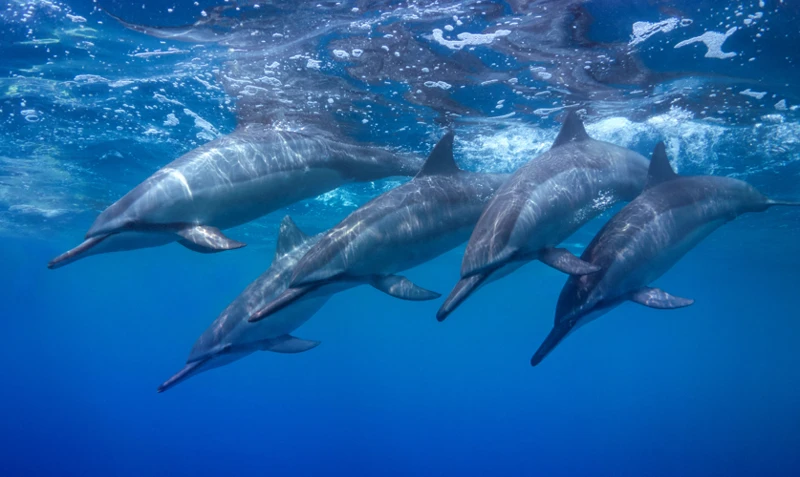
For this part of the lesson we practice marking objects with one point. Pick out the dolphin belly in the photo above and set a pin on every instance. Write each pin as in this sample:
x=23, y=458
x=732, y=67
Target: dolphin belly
x=643, y=267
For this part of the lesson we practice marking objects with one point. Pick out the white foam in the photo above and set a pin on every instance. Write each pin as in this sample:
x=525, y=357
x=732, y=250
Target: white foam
x=168, y=51
x=29, y=209
x=171, y=120
x=438, y=84
x=753, y=94
x=713, y=41
x=90, y=79
x=202, y=124
x=644, y=30
x=468, y=39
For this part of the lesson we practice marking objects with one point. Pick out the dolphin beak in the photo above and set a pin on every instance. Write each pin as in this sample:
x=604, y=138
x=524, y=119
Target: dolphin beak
x=74, y=254
x=556, y=336
x=286, y=298
x=463, y=289
x=189, y=370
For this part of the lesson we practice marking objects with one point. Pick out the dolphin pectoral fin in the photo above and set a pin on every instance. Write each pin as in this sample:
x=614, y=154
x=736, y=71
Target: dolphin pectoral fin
x=206, y=239
x=564, y=261
x=463, y=289
x=659, y=299
x=286, y=298
x=556, y=336
x=403, y=288
x=290, y=344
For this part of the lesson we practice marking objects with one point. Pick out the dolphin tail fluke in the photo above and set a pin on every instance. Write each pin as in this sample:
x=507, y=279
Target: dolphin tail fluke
x=556, y=336
x=463, y=289
x=783, y=202
x=76, y=253
x=564, y=261
x=189, y=370
x=403, y=288
x=286, y=298
x=206, y=239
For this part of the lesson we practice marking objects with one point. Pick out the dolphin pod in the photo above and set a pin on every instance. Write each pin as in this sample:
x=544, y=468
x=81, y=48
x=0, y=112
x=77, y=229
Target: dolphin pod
x=508, y=220
x=400, y=229
x=230, y=337
x=672, y=215
x=543, y=203
x=228, y=182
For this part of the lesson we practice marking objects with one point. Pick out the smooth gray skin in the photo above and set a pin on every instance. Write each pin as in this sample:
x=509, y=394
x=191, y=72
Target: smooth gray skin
x=645, y=239
x=545, y=202
x=230, y=181
x=400, y=229
x=230, y=337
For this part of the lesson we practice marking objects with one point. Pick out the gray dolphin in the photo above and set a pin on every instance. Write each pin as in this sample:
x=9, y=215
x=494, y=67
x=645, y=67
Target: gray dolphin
x=645, y=239
x=230, y=181
x=230, y=337
x=543, y=203
x=398, y=230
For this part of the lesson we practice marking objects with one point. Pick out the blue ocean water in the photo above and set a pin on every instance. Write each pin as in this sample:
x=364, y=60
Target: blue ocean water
x=712, y=389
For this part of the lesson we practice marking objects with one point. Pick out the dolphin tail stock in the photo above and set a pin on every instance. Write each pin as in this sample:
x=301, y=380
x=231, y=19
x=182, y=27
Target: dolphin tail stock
x=403, y=288
x=463, y=289
x=189, y=370
x=74, y=254
x=289, y=296
x=564, y=261
x=556, y=336
x=206, y=239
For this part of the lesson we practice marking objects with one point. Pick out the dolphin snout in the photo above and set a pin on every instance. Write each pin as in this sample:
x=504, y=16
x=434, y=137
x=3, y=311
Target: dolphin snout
x=463, y=289
x=75, y=253
x=556, y=336
x=188, y=371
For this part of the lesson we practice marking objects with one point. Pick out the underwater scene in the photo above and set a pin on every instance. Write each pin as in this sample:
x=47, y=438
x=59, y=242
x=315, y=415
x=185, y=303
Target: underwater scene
x=372, y=237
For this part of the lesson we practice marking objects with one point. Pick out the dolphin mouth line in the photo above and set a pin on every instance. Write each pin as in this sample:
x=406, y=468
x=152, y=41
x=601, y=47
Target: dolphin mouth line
x=289, y=296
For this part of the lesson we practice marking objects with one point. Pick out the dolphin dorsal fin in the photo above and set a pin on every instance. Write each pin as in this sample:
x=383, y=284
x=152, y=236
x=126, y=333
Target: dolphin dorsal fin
x=660, y=170
x=440, y=161
x=289, y=237
x=571, y=131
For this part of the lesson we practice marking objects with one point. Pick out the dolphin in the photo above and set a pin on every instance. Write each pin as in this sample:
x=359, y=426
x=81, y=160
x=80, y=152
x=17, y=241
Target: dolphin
x=544, y=202
x=645, y=239
x=398, y=230
x=230, y=337
x=230, y=181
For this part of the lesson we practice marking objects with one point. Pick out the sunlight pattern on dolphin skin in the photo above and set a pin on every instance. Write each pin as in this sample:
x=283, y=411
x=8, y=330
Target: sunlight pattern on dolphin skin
x=181, y=178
